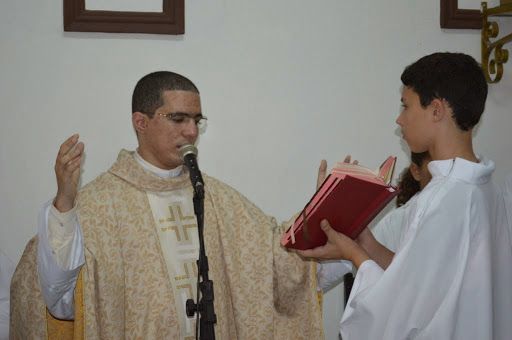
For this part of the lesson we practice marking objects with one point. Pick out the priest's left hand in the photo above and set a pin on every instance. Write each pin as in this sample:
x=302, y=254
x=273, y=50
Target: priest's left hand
x=338, y=246
x=322, y=170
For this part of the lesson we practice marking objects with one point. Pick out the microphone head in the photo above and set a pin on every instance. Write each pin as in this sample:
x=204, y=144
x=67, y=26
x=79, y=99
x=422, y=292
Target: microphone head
x=187, y=149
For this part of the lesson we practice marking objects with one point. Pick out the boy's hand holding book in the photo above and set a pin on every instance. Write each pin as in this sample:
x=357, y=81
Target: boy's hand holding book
x=338, y=247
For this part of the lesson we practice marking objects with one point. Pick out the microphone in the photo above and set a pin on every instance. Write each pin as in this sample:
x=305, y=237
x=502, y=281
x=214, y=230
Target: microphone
x=188, y=154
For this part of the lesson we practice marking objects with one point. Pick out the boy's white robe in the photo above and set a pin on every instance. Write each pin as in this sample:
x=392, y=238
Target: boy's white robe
x=451, y=275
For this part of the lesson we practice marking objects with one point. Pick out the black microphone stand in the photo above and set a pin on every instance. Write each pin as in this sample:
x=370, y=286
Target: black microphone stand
x=204, y=307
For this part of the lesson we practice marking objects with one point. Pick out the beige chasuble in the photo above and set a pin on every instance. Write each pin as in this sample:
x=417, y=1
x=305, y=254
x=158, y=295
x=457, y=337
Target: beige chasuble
x=139, y=264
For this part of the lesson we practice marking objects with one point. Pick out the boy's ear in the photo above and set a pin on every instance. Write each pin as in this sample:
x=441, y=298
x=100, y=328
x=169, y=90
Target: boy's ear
x=439, y=109
x=139, y=121
x=415, y=171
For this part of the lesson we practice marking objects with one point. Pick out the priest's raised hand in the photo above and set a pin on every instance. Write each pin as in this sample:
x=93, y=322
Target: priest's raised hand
x=67, y=171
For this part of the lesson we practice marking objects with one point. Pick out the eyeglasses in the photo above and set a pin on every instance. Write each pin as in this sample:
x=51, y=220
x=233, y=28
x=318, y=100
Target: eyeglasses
x=181, y=118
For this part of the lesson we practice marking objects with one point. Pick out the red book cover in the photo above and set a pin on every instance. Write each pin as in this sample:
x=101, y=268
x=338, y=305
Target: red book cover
x=350, y=197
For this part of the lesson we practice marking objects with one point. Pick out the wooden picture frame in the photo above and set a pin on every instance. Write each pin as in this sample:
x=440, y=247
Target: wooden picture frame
x=170, y=21
x=454, y=17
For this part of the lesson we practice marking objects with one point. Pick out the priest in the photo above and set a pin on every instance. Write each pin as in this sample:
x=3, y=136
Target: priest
x=118, y=257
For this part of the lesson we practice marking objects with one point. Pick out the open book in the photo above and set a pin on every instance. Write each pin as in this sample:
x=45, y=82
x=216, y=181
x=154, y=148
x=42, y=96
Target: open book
x=349, y=198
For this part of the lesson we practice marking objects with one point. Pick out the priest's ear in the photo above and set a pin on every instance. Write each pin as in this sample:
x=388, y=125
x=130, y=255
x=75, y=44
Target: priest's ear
x=139, y=122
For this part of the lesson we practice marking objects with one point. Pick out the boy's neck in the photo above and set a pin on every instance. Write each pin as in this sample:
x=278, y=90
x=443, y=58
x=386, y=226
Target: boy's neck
x=459, y=145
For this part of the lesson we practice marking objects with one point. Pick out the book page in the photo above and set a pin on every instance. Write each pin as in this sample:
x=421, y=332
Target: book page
x=353, y=169
x=386, y=169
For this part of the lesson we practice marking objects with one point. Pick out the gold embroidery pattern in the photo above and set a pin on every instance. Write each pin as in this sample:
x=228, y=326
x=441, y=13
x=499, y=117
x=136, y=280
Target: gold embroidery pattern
x=188, y=267
x=177, y=225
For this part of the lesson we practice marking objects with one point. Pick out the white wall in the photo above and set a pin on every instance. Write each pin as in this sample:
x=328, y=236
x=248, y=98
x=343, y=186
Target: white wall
x=284, y=84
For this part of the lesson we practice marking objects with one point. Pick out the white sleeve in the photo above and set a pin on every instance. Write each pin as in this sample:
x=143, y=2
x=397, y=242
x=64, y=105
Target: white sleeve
x=389, y=229
x=330, y=273
x=388, y=232
x=60, y=256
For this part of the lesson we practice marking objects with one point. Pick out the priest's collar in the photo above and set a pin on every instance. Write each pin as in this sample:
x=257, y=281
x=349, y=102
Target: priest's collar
x=463, y=169
x=130, y=170
x=156, y=170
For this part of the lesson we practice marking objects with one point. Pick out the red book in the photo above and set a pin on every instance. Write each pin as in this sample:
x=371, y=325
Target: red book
x=349, y=198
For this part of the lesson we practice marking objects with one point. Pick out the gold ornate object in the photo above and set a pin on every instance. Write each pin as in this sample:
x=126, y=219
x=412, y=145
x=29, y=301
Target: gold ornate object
x=493, y=66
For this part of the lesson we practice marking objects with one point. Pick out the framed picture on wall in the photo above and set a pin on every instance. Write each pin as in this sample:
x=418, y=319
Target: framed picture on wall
x=454, y=17
x=170, y=19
